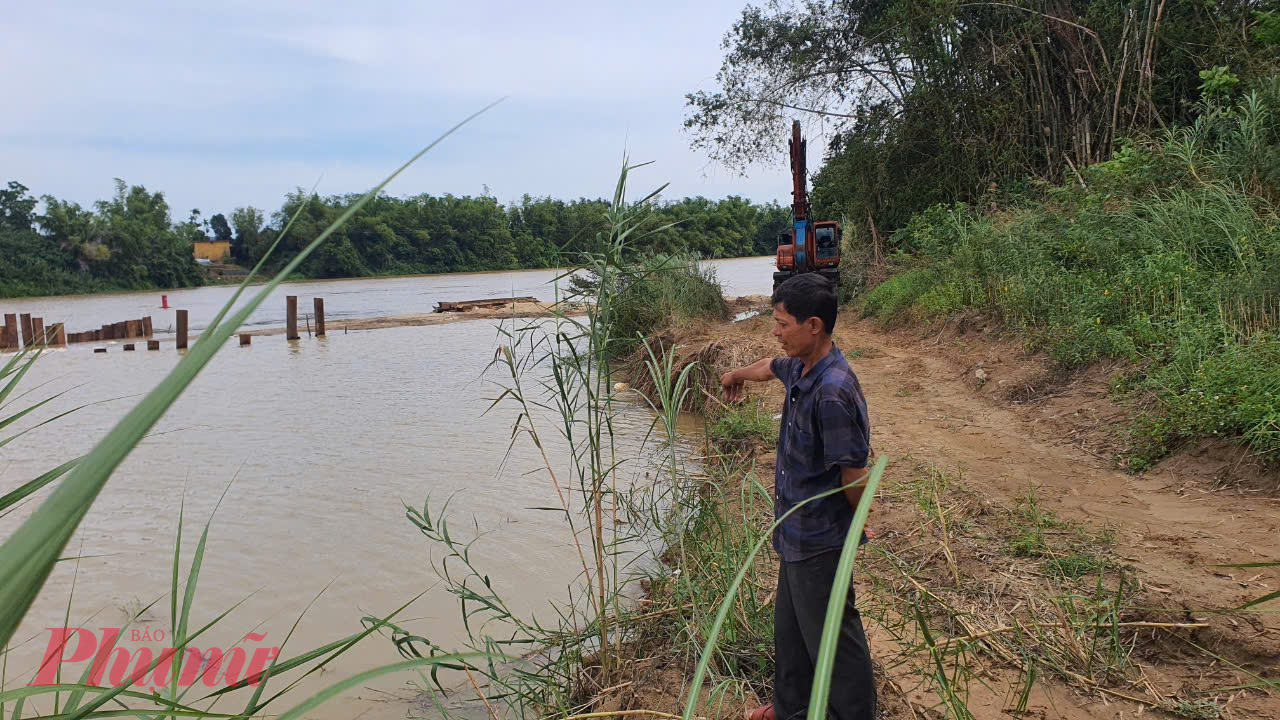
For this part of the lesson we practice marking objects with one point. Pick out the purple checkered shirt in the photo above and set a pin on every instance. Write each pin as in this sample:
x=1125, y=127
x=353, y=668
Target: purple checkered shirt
x=824, y=429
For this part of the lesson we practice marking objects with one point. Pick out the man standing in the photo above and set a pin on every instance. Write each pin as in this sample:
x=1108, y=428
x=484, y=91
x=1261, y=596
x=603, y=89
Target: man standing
x=823, y=444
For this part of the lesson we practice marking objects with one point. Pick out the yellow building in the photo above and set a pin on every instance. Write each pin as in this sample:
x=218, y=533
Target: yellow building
x=213, y=251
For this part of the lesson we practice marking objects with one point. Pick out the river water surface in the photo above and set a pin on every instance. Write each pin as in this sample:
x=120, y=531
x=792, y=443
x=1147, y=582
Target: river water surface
x=318, y=445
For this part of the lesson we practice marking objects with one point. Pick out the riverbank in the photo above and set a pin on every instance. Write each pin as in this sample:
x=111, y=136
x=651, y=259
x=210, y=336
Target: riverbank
x=1016, y=570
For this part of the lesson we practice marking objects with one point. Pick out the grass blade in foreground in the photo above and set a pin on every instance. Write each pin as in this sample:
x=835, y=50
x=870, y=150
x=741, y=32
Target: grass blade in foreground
x=713, y=636
x=839, y=593
x=28, y=556
x=334, y=690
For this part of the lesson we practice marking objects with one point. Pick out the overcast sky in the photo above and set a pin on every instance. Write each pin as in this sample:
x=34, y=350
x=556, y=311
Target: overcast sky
x=235, y=102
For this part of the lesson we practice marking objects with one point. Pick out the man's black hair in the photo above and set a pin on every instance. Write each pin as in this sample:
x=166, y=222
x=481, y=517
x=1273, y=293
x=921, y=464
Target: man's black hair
x=808, y=295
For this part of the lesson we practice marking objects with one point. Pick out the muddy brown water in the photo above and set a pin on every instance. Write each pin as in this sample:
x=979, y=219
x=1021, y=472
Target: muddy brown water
x=344, y=299
x=318, y=445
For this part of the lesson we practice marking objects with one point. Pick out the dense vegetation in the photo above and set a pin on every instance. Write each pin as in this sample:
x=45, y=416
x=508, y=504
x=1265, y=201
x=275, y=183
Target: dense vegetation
x=126, y=242
x=1158, y=256
x=130, y=241
x=1102, y=175
x=656, y=292
x=929, y=101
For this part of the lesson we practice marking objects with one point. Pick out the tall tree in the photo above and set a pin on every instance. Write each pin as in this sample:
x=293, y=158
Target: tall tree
x=221, y=229
x=933, y=100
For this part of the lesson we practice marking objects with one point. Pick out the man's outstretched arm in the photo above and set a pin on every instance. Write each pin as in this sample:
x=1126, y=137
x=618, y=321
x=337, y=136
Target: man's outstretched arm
x=731, y=382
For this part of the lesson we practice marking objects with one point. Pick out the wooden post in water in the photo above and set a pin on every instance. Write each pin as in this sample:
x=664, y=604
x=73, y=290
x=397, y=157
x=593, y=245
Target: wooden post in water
x=153, y=344
x=291, y=317
x=59, y=332
x=182, y=329
x=319, y=303
x=146, y=326
x=133, y=328
x=28, y=336
x=128, y=347
x=245, y=339
x=37, y=332
x=9, y=337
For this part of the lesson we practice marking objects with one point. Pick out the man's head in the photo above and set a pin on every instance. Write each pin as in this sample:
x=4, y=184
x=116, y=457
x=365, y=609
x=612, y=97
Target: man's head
x=804, y=313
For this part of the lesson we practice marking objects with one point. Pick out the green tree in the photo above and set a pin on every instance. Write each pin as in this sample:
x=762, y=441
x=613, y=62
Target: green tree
x=249, y=245
x=933, y=101
x=221, y=228
x=17, y=207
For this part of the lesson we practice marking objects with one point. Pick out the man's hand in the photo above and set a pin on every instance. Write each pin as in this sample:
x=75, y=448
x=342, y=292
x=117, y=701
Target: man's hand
x=731, y=386
x=731, y=383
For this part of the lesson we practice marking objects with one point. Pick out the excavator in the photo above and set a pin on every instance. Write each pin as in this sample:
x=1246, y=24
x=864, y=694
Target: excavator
x=810, y=246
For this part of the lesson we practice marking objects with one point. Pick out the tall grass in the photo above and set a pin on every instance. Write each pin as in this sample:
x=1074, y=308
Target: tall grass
x=705, y=601
x=557, y=373
x=1168, y=259
x=654, y=292
x=29, y=554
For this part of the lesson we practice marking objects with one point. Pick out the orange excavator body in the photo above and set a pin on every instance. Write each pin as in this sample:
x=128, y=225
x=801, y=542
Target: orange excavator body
x=809, y=246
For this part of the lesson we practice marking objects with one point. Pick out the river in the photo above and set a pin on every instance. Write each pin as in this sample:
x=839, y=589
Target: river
x=344, y=299
x=318, y=445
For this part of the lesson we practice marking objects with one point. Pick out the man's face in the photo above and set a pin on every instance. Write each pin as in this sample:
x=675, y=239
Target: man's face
x=797, y=338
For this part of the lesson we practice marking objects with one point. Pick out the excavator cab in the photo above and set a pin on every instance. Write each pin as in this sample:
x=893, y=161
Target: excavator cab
x=827, y=243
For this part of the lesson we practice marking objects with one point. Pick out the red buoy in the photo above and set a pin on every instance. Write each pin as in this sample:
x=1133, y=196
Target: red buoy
x=164, y=302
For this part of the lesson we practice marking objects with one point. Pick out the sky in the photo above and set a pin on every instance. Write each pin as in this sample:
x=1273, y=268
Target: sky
x=236, y=102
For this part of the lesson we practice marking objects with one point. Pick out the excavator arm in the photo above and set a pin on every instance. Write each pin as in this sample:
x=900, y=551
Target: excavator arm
x=813, y=246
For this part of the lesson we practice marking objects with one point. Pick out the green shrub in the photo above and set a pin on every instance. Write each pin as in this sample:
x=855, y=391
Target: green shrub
x=895, y=296
x=745, y=423
x=1168, y=258
x=664, y=289
x=1234, y=392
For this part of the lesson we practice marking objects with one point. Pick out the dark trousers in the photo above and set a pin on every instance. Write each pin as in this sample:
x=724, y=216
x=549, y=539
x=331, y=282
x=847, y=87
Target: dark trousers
x=799, y=612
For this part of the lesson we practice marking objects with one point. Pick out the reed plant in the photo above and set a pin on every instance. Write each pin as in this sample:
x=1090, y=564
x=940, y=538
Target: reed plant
x=705, y=599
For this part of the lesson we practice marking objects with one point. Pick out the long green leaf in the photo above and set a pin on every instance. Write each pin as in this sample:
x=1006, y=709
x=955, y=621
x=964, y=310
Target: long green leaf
x=29, y=555
x=251, y=708
x=1265, y=598
x=713, y=636
x=15, y=496
x=193, y=579
x=53, y=419
x=29, y=691
x=839, y=593
x=178, y=649
x=17, y=368
x=131, y=713
x=333, y=649
x=336, y=689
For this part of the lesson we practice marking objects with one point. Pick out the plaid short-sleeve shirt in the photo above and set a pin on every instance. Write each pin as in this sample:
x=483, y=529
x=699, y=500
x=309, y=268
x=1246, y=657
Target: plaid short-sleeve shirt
x=824, y=429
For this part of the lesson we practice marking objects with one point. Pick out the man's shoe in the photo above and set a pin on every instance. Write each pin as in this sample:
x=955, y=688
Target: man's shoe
x=764, y=712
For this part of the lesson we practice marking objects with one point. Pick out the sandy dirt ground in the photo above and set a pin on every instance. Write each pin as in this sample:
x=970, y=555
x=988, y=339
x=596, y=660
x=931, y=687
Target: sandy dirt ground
x=999, y=427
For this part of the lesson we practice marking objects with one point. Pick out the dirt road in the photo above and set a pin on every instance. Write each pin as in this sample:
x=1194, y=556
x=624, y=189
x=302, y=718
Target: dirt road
x=1008, y=445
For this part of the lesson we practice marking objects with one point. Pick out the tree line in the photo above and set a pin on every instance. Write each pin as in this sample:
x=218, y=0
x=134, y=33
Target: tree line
x=943, y=101
x=132, y=242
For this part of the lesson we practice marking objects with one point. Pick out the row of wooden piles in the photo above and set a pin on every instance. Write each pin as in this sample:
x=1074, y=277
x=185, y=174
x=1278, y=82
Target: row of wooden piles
x=25, y=331
x=21, y=331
